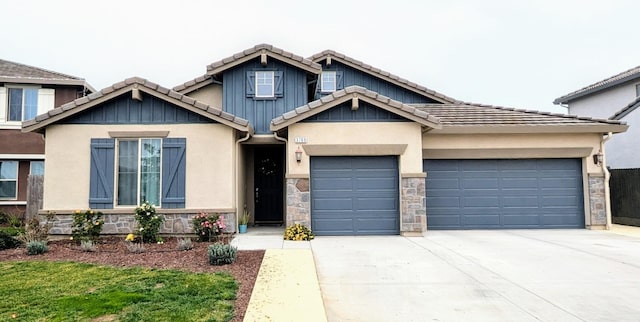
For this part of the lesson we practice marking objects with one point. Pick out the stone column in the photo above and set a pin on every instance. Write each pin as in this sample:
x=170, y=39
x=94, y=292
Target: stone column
x=298, y=202
x=597, y=205
x=412, y=206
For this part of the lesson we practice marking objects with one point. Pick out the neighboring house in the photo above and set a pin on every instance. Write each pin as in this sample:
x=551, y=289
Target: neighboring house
x=614, y=98
x=326, y=141
x=26, y=91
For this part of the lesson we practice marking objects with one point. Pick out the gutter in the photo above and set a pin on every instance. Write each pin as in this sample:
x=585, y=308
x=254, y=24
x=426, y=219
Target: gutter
x=607, y=176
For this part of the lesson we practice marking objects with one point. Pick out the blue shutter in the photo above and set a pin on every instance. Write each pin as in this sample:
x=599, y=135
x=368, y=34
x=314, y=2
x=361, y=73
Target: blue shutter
x=339, y=82
x=278, y=87
x=251, y=84
x=101, y=173
x=173, y=172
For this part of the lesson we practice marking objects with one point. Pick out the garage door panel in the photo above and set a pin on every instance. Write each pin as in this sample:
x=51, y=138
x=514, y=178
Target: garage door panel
x=366, y=190
x=532, y=193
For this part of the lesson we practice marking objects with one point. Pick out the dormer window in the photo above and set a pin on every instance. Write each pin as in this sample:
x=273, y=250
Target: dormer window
x=265, y=84
x=328, y=82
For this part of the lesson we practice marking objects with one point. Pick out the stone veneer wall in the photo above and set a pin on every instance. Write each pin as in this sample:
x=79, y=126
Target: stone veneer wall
x=597, y=200
x=298, y=202
x=122, y=224
x=413, y=206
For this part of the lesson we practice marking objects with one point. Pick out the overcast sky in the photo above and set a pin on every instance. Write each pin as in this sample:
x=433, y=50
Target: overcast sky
x=520, y=54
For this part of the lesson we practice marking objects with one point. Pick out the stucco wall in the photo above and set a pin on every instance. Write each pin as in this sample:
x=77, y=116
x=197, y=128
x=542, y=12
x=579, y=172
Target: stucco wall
x=604, y=104
x=372, y=136
x=210, y=94
x=209, y=172
x=621, y=149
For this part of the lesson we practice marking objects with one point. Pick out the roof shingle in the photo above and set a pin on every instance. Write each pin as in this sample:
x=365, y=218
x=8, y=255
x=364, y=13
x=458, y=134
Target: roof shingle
x=21, y=73
x=614, y=80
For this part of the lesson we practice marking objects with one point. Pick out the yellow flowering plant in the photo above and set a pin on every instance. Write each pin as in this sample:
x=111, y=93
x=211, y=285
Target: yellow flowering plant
x=87, y=225
x=149, y=223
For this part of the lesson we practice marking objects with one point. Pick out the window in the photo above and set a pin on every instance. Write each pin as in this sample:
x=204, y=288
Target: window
x=139, y=171
x=638, y=90
x=37, y=168
x=23, y=104
x=328, y=82
x=264, y=84
x=8, y=180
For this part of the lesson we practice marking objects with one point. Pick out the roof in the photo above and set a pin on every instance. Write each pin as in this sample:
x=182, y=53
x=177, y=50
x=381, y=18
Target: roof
x=612, y=81
x=244, y=56
x=348, y=94
x=354, y=63
x=480, y=118
x=12, y=72
x=626, y=110
x=128, y=85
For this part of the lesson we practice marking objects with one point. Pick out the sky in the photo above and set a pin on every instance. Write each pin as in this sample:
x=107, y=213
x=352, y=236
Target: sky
x=520, y=54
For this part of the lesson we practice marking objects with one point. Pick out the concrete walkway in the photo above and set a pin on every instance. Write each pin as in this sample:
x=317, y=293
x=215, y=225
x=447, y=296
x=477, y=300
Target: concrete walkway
x=287, y=287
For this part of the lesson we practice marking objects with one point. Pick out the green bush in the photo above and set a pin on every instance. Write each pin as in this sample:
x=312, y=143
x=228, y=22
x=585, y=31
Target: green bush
x=7, y=241
x=12, y=231
x=149, y=223
x=298, y=232
x=87, y=225
x=37, y=247
x=221, y=254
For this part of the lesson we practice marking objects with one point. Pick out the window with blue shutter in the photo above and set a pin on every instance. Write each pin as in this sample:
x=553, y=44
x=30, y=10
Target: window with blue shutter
x=265, y=84
x=173, y=172
x=101, y=173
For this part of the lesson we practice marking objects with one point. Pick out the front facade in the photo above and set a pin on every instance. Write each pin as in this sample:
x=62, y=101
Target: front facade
x=326, y=141
x=26, y=91
x=613, y=98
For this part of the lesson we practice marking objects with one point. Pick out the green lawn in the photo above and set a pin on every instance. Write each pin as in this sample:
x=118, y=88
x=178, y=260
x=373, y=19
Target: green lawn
x=67, y=291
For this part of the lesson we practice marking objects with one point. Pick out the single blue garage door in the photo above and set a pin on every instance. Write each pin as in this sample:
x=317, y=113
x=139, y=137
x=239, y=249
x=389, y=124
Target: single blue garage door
x=354, y=195
x=494, y=194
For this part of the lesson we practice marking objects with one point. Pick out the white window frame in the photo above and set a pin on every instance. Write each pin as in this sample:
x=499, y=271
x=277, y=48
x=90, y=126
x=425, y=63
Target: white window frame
x=269, y=75
x=8, y=108
x=15, y=197
x=138, y=172
x=31, y=166
x=322, y=82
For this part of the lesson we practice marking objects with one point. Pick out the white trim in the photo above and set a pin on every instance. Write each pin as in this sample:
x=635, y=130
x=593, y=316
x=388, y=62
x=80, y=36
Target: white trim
x=12, y=202
x=273, y=81
x=335, y=81
x=21, y=156
x=11, y=125
x=139, y=172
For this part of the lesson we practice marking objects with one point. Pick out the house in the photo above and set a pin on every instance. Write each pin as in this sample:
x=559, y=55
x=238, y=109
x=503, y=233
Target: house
x=26, y=91
x=614, y=98
x=327, y=141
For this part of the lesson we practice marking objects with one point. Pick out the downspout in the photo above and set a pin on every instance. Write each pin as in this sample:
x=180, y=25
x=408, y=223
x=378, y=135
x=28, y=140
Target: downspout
x=607, y=176
x=235, y=175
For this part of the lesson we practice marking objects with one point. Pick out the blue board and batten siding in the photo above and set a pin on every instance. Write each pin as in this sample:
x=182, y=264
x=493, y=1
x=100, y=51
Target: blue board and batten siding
x=499, y=194
x=125, y=110
x=352, y=76
x=365, y=113
x=260, y=111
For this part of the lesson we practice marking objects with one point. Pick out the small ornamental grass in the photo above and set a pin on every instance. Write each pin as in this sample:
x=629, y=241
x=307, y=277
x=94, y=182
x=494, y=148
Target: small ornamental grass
x=88, y=246
x=149, y=223
x=298, y=232
x=221, y=254
x=87, y=225
x=184, y=244
x=37, y=247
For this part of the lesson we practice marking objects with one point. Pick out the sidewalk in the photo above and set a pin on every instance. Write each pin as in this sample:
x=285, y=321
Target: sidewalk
x=632, y=231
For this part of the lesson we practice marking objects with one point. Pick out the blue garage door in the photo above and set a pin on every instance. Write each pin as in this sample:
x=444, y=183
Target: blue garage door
x=494, y=194
x=354, y=195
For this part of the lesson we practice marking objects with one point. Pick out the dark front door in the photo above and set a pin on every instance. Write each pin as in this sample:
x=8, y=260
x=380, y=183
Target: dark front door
x=269, y=184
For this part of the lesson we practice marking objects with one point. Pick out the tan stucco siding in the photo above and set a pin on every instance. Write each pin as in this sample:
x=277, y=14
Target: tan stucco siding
x=210, y=95
x=375, y=138
x=209, y=172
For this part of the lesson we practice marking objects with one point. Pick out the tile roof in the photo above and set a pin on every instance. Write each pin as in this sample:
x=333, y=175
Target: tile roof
x=626, y=110
x=349, y=93
x=21, y=73
x=614, y=80
x=384, y=75
x=245, y=55
x=490, y=116
x=144, y=85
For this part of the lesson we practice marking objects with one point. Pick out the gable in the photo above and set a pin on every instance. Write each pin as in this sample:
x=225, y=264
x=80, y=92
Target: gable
x=126, y=110
x=365, y=113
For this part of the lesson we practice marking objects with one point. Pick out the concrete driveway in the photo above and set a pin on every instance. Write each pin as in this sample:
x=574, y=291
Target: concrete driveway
x=515, y=275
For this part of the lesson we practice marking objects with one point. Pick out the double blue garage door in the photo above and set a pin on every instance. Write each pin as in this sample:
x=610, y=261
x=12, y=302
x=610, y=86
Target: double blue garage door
x=494, y=194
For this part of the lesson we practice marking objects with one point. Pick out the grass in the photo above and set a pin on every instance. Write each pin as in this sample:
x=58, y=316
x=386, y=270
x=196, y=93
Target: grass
x=68, y=291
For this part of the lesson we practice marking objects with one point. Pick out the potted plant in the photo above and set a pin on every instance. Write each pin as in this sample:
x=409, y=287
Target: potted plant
x=243, y=221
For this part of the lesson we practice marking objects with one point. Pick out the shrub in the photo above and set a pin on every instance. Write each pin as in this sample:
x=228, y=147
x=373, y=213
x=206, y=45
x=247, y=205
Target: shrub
x=148, y=223
x=7, y=241
x=298, y=232
x=35, y=231
x=87, y=225
x=208, y=227
x=37, y=247
x=87, y=246
x=221, y=254
x=184, y=244
x=135, y=248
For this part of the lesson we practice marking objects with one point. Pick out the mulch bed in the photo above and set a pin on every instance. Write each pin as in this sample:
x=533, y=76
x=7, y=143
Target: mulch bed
x=113, y=252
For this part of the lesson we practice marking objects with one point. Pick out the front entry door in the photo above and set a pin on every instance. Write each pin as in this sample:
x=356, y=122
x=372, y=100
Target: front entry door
x=269, y=184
